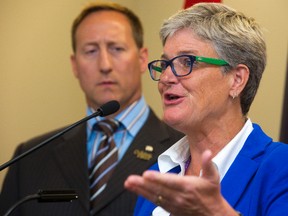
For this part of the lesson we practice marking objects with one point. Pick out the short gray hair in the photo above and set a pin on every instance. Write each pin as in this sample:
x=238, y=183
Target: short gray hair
x=237, y=39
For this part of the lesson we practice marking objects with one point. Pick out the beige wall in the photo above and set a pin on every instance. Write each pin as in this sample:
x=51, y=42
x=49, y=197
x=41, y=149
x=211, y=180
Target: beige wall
x=38, y=91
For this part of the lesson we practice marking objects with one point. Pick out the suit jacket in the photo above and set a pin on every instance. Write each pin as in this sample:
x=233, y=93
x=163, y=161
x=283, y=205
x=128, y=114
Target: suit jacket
x=256, y=183
x=62, y=164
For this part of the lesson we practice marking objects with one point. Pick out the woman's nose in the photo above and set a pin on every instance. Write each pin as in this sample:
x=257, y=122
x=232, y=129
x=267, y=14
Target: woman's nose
x=168, y=76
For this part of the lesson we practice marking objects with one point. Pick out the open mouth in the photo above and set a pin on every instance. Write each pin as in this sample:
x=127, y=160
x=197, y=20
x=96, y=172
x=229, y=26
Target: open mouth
x=171, y=97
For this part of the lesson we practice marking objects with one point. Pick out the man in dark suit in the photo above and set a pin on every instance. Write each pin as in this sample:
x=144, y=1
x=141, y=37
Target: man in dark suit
x=108, y=60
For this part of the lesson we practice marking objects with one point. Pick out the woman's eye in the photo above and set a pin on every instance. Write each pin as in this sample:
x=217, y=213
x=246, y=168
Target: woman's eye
x=186, y=62
x=163, y=66
x=195, y=64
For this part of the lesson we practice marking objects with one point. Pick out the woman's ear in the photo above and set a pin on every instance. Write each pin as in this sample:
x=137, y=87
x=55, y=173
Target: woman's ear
x=240, y=78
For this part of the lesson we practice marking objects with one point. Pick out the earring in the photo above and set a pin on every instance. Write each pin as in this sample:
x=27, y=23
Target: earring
x=234, y=95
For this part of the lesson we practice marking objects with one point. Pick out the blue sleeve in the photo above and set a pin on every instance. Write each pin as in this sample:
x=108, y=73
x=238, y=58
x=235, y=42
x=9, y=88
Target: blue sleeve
x=145, y=207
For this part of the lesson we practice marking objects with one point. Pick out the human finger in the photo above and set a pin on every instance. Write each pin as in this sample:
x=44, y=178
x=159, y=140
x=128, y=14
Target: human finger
x=209, y=169
x=143, y=187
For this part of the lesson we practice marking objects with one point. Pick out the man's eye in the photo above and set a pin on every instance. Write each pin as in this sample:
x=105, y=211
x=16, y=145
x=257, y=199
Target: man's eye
x=90, y=51
x=117, y=49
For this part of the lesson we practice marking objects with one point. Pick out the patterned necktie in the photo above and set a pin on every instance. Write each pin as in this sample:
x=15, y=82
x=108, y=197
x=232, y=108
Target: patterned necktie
x=104, y=161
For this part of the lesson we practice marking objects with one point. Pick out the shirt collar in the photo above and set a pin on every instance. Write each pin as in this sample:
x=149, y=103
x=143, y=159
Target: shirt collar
x=136, y=111
x=176, y=155
x=227, y=155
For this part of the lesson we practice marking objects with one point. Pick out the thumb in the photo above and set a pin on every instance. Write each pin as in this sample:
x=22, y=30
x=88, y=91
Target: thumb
x=209, y=169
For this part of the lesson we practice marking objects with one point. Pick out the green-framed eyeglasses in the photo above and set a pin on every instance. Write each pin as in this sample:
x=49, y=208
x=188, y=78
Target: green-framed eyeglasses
x=181, y=65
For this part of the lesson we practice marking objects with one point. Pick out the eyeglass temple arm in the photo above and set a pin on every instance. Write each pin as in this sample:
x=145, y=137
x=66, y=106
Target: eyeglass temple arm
x=212, y=61
x=159, y=69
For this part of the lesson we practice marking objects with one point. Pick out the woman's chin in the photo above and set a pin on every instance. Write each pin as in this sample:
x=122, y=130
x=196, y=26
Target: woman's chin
x=172, y=119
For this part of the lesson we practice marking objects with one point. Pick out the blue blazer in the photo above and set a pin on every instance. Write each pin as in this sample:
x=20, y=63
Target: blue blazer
x=255, y=184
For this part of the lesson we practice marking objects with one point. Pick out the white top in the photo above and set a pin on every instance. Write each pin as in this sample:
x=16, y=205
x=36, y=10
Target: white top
x=179, y=153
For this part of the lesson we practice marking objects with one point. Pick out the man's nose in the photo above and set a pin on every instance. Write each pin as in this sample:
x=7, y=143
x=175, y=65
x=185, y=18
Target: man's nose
x=105, y=62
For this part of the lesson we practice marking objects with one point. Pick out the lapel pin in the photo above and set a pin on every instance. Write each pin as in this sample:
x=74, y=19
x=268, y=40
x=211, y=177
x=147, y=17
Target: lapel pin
x=142, y=154
x=149, y=148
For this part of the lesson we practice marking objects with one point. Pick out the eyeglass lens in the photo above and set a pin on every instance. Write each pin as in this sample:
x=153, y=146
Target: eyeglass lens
x=180, y=65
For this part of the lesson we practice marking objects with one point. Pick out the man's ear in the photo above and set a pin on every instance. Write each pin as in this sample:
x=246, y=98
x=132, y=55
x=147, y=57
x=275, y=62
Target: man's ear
x=74, y=65
x=240, y=78
x=143, y=59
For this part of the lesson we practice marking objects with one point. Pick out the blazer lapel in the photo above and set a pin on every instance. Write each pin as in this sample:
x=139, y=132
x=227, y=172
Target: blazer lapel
x=238, y=176
x=245, y=166
x=130, y=164
x=71, y=156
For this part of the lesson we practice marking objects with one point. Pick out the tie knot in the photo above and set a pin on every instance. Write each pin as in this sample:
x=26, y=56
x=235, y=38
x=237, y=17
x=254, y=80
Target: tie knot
x=108, y=126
